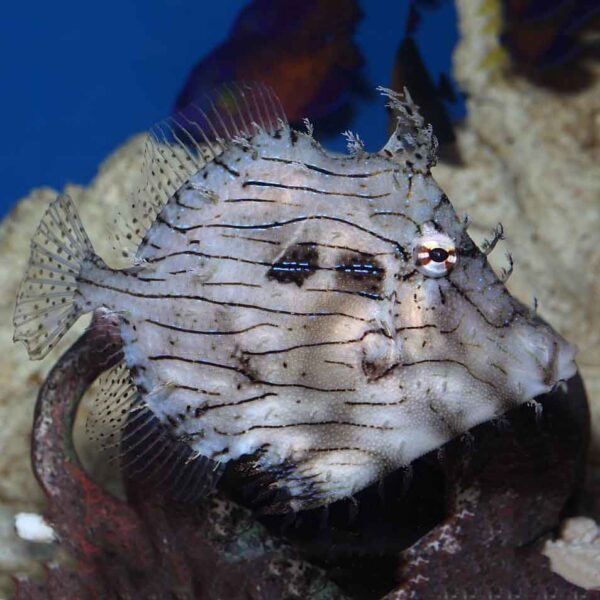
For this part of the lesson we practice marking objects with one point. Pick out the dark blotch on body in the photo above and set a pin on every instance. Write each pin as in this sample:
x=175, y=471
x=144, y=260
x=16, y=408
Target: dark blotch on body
x=360, y=274
x=296, y=265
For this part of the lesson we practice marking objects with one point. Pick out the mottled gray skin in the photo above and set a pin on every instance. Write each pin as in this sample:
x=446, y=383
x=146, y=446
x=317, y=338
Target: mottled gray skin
x=278, y=310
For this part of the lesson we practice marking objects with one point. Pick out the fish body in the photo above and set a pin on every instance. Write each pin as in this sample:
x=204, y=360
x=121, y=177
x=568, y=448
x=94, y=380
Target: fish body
x=321, y=319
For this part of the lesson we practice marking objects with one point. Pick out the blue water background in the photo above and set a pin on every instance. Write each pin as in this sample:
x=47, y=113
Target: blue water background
x=78, y=78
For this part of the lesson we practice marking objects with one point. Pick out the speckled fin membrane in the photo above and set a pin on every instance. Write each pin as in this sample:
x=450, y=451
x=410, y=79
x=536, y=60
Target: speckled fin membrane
x=112, y=399
x=45, y=307
x=149, y=457
x=178, y=147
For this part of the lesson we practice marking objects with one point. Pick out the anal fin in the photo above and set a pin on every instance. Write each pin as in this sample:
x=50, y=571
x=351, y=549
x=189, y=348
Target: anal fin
x=151, y=459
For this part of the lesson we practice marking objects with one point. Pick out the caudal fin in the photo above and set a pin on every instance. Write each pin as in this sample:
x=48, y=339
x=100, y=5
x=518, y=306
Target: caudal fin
x=45, y=307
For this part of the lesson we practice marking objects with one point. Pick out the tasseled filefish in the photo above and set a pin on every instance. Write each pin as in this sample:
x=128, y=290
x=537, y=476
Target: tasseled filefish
x=321, y=319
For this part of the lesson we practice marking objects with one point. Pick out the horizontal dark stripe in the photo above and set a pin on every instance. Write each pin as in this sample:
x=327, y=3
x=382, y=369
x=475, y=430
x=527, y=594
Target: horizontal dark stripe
x=201, y=362
x=206, y=255
x=309, y=424
x=249, y=239
x=231, y=283
x=369, y=295
x=428, y=326
x=304, y=386
x=310, y=345
x=302, y=188
x=448, y=361
x=200, y=332
x=196, y=361
x=179, y=202
x=327, y=171
x=346, y=248
x=219, y=303
x=275, y=224
x=234, y=200
x=339, y=363
x=395, y=213
x=224, y=165
x=238, y=402
x=191, y=388
x=376, y=404
x=262, y=200
x=416, y=327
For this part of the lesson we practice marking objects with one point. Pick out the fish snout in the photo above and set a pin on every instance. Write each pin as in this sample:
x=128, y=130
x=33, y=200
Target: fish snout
x=544, y=359
x=556, y=357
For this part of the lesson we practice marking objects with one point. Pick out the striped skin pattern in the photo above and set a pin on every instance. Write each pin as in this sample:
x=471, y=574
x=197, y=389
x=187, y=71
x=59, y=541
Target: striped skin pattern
x=277, y=311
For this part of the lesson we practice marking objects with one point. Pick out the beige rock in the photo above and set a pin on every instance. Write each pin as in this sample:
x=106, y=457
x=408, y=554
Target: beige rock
x=575, y=556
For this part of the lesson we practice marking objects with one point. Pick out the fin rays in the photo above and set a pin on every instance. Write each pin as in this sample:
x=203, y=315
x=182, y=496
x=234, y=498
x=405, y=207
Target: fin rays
x=46, y=306
x=178, y=147
x=149, y=456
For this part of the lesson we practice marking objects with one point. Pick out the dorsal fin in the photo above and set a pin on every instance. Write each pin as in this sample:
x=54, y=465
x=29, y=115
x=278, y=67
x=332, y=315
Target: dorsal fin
x=178, y=147
x=413, y=141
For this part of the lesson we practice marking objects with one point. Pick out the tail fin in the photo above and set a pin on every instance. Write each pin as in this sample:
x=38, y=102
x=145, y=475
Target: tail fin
x=45, y=307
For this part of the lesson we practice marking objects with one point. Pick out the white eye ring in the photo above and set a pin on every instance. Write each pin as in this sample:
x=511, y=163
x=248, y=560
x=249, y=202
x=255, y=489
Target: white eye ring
x=434, y=254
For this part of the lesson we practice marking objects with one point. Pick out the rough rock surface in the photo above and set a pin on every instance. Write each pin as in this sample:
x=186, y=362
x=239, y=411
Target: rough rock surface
x=576, y=554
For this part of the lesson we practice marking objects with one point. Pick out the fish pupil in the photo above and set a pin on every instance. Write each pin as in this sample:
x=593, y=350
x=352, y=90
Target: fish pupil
x=438, y=255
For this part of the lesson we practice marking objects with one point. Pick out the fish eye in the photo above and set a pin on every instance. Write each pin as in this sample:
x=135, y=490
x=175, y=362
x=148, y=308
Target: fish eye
x=434, y=255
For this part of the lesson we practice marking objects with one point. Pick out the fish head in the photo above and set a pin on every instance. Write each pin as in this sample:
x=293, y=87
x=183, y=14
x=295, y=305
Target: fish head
x=466, y=346
x=464, y=349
